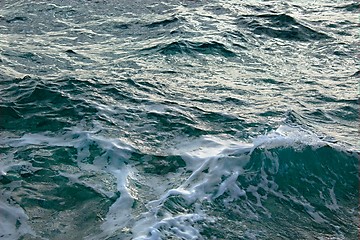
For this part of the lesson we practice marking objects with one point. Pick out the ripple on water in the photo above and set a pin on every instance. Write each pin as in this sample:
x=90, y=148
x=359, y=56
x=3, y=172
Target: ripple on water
x=178, y=119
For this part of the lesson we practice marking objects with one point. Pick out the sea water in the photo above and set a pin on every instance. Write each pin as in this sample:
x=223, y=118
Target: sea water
x=179, y=119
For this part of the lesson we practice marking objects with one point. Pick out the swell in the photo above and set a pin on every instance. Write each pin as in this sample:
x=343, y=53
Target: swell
x=318, y=186
x=35, y=105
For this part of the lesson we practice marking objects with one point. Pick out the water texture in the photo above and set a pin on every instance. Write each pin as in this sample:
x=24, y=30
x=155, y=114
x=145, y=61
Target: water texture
x=179, y=119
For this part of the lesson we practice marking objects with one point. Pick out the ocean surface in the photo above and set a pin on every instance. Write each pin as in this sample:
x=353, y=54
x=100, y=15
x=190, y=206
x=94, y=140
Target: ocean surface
x=179, y=119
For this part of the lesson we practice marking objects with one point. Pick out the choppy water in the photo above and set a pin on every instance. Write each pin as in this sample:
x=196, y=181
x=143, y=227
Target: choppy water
x=178, y=119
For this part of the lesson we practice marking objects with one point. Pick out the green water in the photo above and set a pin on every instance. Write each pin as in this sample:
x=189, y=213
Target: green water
x=178, y=120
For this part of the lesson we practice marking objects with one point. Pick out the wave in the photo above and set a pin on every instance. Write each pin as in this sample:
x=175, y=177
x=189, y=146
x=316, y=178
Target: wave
x=17, y=19
x=163, y=23
x=289, y=173
x=171, y=94
x=33, y=105
x=191, y=48
x=352, y=7
x=280, y=26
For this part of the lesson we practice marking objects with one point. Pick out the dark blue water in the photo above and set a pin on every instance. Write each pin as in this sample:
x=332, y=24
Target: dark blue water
x=179, y=119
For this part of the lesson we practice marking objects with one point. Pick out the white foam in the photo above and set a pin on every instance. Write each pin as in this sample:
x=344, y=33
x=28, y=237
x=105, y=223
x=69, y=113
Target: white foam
x=113, y=154
x=213, y=165
x=286, y=136
x=13, y=220
x=119, y=213
x=333, y=205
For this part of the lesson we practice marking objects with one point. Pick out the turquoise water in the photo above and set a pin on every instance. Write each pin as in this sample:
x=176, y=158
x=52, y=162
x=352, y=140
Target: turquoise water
x=179, y=119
